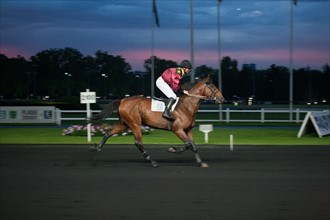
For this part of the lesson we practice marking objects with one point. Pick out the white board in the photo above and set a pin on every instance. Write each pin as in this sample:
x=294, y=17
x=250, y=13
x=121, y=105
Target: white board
x=87, y=97
x=316, y=121
x=206, y=128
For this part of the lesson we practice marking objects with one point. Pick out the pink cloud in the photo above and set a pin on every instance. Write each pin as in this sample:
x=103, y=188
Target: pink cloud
x=137, y=57
x=12, y=51
x=262, y=57
x=266, y=57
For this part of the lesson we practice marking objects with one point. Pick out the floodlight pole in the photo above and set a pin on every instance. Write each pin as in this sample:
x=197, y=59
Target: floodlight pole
x=192, y=73
x=291, y=62
x=152, y=53
x=88, y=114
x=219, y=61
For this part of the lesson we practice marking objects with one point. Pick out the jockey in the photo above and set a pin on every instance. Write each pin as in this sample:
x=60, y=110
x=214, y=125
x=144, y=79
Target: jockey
x=168, y=83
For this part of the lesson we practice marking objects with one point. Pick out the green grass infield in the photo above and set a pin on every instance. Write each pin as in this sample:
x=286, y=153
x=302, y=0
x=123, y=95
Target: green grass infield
x=253, y=135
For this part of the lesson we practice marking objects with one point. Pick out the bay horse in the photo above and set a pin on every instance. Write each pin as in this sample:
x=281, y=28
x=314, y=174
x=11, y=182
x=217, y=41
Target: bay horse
x=136, y=110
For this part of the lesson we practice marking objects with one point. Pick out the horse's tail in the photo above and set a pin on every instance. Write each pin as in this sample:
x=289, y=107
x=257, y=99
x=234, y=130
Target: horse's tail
x=107, y=110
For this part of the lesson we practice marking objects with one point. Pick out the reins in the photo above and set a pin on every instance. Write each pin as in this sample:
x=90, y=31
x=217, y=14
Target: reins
x=196, y=96
x=201, y=96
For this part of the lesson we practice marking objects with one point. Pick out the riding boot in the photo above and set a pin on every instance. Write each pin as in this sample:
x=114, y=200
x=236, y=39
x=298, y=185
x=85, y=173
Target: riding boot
x=168, y=113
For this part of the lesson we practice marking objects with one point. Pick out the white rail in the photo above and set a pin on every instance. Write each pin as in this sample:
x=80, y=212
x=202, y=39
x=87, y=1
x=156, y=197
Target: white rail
x=260, y=115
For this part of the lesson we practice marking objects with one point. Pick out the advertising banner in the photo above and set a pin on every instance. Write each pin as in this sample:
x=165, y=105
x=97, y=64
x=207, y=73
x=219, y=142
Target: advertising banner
x=27, y=114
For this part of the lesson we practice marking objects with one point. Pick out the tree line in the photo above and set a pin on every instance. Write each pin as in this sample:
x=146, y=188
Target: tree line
x=64, y=73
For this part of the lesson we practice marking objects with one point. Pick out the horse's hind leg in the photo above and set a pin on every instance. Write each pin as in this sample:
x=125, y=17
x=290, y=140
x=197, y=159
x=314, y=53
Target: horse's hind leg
x=145, y=154
x=138, y=143
x=98, y=147
x=115, y=130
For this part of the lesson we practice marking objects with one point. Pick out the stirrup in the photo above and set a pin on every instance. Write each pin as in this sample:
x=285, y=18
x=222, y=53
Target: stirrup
x=168, y=115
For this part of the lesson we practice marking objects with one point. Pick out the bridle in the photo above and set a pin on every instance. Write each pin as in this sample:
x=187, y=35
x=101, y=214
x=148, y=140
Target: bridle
x=213, y=91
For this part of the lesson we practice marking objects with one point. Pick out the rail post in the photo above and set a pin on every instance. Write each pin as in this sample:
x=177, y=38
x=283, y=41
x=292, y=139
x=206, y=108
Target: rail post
x=58, y=115
x=297, y=115
x=227, y=115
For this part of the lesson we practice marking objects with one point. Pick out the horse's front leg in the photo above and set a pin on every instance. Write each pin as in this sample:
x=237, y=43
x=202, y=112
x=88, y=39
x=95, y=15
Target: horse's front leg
x=193, y=148
x=178, y=150
x=187, y=137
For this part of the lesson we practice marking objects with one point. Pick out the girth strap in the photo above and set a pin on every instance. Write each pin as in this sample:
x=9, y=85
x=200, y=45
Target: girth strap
x=169, y=125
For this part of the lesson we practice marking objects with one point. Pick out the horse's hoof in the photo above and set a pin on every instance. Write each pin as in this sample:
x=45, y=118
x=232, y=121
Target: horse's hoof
x=154, y=164
x=171, y=149
x=203, y=165
x=94, y=148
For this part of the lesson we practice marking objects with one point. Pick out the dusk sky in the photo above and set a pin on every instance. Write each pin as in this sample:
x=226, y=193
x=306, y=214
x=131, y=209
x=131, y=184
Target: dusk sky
x=252, y=31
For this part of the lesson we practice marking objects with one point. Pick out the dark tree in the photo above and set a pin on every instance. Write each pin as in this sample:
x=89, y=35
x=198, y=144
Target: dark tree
x=59, y=72
x=112, y=75
x=16, y=78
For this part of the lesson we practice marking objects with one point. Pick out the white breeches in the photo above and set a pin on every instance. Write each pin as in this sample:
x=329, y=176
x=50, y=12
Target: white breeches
x=165, y=88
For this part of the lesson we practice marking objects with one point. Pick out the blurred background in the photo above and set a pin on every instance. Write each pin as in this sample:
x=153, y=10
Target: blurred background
x=259, y=53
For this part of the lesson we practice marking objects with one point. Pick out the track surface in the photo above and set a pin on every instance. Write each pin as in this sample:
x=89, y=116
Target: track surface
x=68, y=182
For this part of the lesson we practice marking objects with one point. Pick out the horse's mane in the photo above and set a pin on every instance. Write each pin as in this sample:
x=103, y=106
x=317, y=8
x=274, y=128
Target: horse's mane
x=187, y=85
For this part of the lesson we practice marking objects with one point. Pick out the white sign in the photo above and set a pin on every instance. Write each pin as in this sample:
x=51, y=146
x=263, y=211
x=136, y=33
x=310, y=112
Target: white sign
x=206, y=129
x=316, y=121
x=87, y=97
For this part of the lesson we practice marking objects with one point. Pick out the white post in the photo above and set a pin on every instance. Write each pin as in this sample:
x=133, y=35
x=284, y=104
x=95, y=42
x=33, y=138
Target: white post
x=262, y=115
x=87, y=98
x=206, y=137
x=58, y=116
x=297, y=115
x=206, y=129
x=227, y=115
x=231, y=138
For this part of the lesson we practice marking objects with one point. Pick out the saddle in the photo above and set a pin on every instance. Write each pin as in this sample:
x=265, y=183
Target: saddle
x=158, y=104
x=160, y=99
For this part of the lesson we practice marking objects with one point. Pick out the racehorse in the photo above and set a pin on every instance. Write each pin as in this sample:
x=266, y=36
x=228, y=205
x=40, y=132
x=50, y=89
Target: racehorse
x=136, y=110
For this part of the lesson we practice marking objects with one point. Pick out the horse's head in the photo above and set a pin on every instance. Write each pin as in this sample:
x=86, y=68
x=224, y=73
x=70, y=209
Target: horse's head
x=210, y=91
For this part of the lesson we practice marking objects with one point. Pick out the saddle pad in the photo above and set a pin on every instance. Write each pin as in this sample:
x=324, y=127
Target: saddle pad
x=159, y=106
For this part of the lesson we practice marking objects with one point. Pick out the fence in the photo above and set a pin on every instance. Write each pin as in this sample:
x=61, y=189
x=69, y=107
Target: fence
x=227, y=115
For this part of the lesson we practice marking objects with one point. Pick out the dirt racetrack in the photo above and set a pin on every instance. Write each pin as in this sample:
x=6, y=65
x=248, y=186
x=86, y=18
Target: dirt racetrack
x=46, y=182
